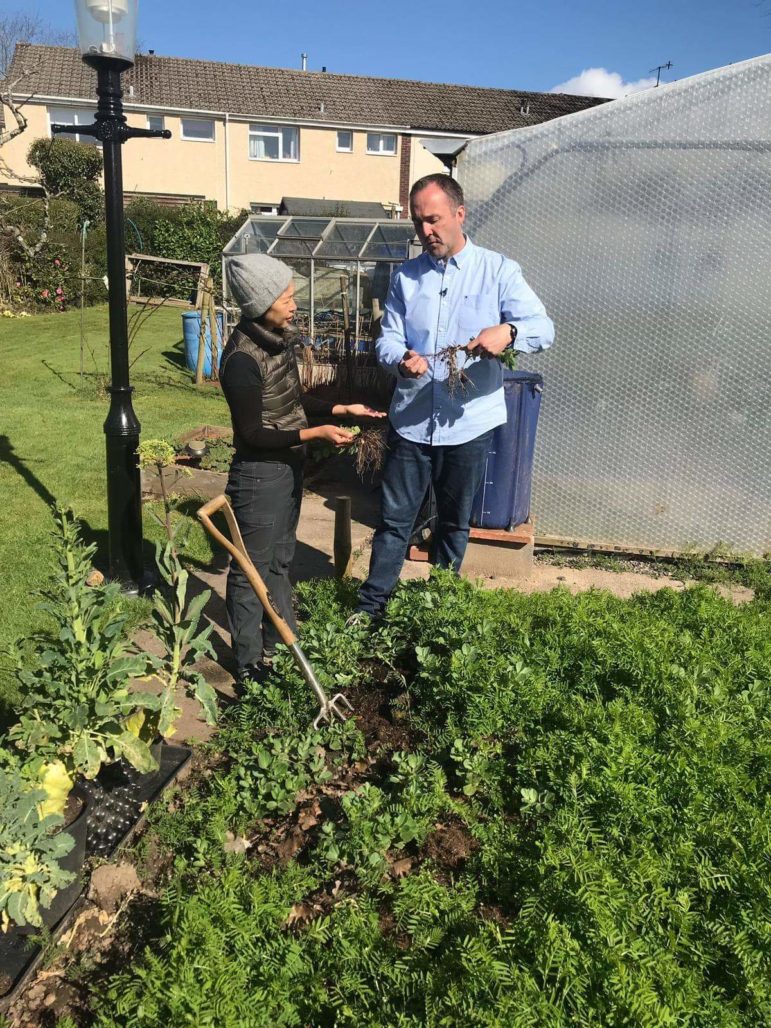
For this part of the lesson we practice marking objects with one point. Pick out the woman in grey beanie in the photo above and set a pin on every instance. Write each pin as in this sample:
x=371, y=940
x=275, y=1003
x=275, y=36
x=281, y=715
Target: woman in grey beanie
x=261, y=384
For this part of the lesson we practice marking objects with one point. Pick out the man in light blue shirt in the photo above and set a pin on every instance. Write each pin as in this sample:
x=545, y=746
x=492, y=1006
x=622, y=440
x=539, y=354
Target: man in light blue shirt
x=454, y=294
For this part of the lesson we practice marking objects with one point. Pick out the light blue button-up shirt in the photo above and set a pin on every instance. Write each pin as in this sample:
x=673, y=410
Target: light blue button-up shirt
x=433, y=304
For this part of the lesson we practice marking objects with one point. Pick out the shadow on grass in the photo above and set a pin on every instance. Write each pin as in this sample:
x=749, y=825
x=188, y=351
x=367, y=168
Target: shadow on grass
x=176, y=357
x=9, y=456
x=59, y=375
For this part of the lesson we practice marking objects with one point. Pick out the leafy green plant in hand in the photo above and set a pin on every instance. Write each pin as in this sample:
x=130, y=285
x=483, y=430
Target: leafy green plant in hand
x=78, y=699
x=30, y=850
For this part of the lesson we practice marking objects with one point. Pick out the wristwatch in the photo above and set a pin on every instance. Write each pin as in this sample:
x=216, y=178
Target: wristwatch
x=513, y=330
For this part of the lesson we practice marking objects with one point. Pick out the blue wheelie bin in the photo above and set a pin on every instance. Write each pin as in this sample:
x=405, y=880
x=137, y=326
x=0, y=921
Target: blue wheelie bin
x=503, y=499
x=191, y=329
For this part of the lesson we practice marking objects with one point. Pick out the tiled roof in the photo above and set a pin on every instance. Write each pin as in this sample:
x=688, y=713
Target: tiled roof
x=256, y=92
x=312, y=207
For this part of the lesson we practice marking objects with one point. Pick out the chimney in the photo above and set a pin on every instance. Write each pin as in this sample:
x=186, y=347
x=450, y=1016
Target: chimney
x=324, y=68
x=304, y=60
x=151, y=53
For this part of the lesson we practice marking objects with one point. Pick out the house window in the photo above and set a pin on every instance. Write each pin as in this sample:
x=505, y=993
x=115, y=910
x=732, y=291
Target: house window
x=274, y=143
x=156, y=122
x=381, y=142
x=72, y=116
x=263, y=208
x=199, y=130
x=344, y=141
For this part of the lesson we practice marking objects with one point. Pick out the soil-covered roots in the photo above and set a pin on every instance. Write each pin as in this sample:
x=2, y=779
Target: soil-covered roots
x=457, y=379
x=370, y=450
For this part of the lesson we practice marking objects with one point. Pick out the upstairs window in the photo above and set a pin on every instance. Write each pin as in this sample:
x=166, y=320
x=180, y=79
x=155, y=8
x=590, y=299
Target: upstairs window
x=72, y=116
x=344, y=141
x=381, y=143
x=156, y=122
x=197, y=130
x=274, y=143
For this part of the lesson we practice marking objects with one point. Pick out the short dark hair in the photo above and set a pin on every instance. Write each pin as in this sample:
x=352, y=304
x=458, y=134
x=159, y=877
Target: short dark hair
x=449, y=186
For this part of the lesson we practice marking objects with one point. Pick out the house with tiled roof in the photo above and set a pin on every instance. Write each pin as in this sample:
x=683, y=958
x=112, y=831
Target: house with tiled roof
x=246, y=137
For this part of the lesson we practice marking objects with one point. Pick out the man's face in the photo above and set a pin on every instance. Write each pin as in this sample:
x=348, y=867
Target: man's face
x=438, y=223
x=282, y=311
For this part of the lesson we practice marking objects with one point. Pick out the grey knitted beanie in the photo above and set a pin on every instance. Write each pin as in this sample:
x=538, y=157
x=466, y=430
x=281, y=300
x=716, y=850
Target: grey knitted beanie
x=256, y=282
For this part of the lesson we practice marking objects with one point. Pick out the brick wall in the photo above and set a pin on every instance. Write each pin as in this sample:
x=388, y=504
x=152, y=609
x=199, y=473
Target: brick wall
x=404, y=174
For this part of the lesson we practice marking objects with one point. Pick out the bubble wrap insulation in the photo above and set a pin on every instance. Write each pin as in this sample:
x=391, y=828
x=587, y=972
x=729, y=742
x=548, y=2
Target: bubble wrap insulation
x=645, y=227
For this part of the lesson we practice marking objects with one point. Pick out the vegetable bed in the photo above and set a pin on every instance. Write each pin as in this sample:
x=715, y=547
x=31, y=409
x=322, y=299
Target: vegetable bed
x=549, y=810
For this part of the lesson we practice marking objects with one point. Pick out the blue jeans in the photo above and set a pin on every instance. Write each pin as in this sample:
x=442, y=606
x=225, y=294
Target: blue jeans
x=266, y=498
x=455, y=473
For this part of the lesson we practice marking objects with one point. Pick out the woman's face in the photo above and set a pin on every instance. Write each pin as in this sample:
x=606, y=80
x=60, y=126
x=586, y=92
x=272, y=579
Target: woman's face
x=281, y=313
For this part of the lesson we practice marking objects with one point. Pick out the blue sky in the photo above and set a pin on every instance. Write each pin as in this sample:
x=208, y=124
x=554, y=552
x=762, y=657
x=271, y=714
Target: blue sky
x=517, y=44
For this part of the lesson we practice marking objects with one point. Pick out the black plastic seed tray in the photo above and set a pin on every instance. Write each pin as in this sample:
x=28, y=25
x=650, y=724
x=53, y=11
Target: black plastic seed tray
x=117, y=801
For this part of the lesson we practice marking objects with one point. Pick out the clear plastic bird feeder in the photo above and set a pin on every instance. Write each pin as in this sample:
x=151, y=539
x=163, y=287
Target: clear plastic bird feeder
x=107, y=28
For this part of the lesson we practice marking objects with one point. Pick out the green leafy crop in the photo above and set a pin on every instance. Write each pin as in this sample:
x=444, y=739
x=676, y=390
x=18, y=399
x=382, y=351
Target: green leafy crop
x=558, y=816
x=30, y=849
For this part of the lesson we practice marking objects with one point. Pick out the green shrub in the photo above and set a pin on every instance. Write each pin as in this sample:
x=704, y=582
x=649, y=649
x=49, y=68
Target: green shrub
x=71, y=170
x=194, y=232
x=52, y=279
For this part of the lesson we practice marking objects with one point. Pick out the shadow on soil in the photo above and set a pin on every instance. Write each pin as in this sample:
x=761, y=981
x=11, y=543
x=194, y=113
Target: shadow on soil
x=337, y=477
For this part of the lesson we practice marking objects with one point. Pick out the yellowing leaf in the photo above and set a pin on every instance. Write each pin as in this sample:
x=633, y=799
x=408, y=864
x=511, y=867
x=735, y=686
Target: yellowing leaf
x=134, y=723
x=56, y=783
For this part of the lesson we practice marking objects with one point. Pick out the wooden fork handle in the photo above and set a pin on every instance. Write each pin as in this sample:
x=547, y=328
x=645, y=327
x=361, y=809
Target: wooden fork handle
x=237, y=550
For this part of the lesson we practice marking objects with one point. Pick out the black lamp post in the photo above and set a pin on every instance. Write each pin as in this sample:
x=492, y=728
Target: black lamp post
x=107, y=31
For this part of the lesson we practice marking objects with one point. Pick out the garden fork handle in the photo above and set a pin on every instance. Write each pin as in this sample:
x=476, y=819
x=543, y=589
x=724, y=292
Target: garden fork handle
x=237, y=551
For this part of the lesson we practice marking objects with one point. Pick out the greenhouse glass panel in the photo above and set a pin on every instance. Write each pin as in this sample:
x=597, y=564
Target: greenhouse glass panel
x=260, y=235
x=299, y=237
x=644, y=225
x=306, y=228
x=293, y=247
x=345, y=240
x=390, y=242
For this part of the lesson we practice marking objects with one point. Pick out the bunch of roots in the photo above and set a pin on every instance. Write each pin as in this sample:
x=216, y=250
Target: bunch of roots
x=457, y=379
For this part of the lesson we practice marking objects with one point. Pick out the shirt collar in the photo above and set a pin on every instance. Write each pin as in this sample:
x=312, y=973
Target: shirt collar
x=459, y=259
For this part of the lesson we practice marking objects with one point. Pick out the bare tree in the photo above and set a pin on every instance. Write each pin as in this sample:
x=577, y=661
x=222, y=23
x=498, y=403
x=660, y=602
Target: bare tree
x=17, y=27
x=28, y=27
x=22, y=27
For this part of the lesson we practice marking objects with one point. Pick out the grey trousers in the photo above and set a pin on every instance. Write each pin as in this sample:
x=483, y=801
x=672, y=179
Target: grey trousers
x=266, y=500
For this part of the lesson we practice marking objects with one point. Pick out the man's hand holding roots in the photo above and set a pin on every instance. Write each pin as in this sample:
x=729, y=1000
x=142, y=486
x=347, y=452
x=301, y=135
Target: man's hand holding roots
x=491, y=342
x=412, y=365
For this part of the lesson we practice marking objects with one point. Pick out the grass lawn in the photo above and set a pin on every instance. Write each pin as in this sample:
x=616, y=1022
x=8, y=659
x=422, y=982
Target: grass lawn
x=52, y=443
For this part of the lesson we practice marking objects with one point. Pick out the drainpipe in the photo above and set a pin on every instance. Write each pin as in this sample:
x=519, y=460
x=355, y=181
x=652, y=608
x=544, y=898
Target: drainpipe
x=227, y=162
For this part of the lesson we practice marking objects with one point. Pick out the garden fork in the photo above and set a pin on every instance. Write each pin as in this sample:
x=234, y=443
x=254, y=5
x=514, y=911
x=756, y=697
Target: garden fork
x=330, y=708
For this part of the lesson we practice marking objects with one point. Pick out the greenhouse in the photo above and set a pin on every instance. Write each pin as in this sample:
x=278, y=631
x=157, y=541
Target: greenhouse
x=342, y=271
x=645, y=226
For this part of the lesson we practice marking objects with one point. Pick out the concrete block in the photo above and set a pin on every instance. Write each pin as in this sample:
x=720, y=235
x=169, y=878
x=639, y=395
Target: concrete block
x=489, y=559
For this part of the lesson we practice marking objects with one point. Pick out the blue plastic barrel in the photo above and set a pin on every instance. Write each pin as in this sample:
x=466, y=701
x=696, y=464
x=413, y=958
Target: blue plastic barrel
x=503, y=499
x=191, y=330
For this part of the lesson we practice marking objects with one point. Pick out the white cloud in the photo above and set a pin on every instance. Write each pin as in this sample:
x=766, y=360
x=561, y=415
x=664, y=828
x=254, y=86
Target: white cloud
x=601, y=82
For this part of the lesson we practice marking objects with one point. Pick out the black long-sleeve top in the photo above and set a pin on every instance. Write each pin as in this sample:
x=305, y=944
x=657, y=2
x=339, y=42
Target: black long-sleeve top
x=242, y=385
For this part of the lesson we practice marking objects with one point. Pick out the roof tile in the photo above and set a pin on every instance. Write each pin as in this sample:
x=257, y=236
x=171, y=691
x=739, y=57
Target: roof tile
x=259, y=92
